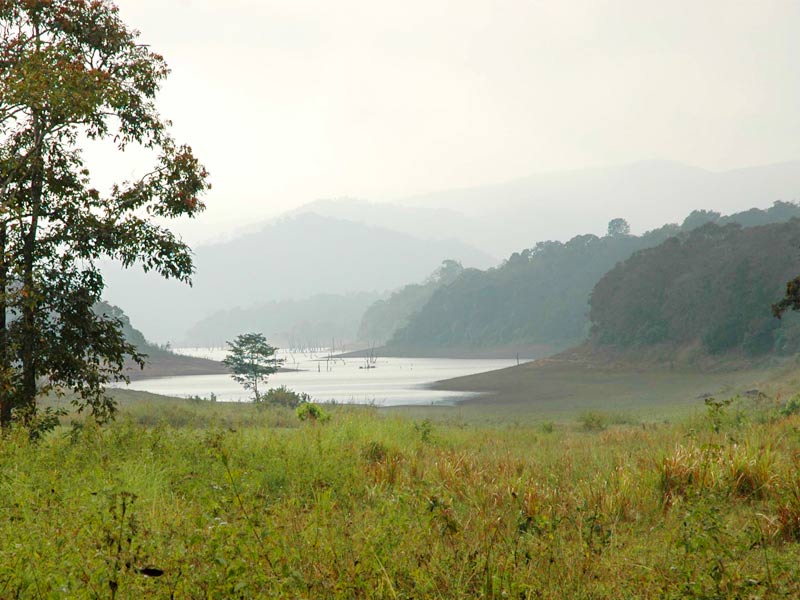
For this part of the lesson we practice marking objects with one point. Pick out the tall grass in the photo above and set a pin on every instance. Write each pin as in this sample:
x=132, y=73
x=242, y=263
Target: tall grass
x=194, y=500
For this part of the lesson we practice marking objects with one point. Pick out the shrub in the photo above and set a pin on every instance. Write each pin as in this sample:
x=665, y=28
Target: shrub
x=283, y=396
x=792, y=406
x=593, y=421
x=308, y=411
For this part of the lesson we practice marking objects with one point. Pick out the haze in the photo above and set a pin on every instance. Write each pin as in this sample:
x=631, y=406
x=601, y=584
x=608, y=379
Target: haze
x=291, y=101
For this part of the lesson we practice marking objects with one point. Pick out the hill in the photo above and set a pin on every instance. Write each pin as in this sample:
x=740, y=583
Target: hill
x=384, y=317
x=307, y=323
x=539, y=297
x=711, y=288
x=159, y=361
x=295, y=257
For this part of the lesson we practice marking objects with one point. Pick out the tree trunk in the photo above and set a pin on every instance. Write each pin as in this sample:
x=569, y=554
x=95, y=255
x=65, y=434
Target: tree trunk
x=5, y=397
x=28, y=393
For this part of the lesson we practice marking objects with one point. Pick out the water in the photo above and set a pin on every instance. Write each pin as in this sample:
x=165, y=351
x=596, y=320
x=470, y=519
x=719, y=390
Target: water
x=393, y=381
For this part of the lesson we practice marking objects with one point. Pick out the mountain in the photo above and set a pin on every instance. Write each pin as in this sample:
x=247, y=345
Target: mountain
x=505, y=217
x=418, y=221
x=308, y=323
x=293, y=257
x=711, y=289
x=384, y=317
x=540, y=296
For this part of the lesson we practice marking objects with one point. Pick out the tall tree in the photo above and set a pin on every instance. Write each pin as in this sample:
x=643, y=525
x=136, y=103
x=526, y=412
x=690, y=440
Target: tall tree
x=251, y=361
x=71, y=70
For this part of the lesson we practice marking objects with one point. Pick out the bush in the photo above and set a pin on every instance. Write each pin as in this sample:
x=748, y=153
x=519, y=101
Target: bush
x=283, y=396
x=792, y=406
x=593, y=421
x=308, y=411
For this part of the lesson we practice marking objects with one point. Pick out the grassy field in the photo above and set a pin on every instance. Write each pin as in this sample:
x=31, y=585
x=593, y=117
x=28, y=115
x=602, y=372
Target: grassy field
x=192, y=499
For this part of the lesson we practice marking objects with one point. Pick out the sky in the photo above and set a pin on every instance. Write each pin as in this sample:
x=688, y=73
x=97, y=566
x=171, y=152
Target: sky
x=289, y=101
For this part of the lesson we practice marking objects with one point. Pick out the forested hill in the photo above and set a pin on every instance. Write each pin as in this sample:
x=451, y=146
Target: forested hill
x=159, y=362
x=712, y=288
x=132, y=335
x=540, y=297
x=291, y=258
x=384, y=317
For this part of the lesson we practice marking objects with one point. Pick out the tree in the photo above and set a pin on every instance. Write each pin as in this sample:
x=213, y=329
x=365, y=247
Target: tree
x=72, y=70
x=252, y=360
x=790, y=300
x=618, y=227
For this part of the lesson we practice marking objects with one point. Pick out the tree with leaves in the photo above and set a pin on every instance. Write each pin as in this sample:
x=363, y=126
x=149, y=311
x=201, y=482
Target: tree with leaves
x=71, y=70
x=618, y=228
x=251, y=361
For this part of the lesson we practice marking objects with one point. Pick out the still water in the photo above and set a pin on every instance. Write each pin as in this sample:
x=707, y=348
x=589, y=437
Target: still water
x=392, y=381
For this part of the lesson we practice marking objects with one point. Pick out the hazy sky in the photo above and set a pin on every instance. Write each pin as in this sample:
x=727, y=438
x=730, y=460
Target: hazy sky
x=287, y=101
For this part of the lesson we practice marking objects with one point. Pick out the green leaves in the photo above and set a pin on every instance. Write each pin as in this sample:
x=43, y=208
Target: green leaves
x=71, y=70
x=251, y=361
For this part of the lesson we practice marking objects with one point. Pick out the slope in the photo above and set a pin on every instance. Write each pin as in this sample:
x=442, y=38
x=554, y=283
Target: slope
x=294, y=257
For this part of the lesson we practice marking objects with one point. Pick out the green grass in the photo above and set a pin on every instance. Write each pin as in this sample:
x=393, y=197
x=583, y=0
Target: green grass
x=198, y=500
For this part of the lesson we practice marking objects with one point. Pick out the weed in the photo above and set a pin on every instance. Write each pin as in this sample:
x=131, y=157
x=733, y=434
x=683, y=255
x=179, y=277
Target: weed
x=593, y=421
x=716, y=412
x=425, y=431
x=308, y=411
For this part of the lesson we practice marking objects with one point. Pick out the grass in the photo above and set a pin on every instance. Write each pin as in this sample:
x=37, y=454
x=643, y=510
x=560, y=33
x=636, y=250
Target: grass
x=191, y=499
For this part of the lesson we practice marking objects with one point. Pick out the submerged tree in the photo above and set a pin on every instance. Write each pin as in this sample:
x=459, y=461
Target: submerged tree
x=72, y=70
x=251, y=361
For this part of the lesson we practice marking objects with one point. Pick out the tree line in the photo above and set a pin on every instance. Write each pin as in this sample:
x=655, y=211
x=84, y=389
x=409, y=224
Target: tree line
x=539, y=296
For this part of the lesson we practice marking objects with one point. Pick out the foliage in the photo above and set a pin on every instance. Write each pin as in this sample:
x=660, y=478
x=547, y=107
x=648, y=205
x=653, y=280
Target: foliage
x=792, y=406
x=593, y=421
x=251, y=361
x=308, y=411
x=618, y=227
x=72, y=70
x=540, y=296
x=254, y=506
x=283, y=396
x=383, y=318
x=712, y=286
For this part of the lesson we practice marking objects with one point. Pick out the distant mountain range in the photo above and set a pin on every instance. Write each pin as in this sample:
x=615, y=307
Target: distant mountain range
x=309, y=323
x=291, y=258
x=345, y=246
x=507, y=217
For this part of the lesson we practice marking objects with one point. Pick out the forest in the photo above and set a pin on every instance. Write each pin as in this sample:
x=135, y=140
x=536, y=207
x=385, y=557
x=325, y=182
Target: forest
x=713, y=285
x=540, y=296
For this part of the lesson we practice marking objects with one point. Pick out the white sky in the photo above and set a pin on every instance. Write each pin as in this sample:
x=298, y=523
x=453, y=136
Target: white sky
x=288, y=101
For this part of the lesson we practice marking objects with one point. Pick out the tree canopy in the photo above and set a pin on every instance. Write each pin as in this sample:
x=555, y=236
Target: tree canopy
x=251, y=361
x=71, y=70
x=712, y=286
x=540, y=296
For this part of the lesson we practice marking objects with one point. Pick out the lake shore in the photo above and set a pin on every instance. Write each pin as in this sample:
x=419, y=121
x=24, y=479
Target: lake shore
x=525, y=352
x=548, y=388
x=167, y=364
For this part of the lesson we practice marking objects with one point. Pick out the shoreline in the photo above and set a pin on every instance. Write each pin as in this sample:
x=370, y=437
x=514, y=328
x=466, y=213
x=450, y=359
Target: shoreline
x=167, y=364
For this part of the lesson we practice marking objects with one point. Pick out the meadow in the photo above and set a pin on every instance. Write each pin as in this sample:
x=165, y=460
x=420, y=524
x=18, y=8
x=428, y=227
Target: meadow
x=194, y=499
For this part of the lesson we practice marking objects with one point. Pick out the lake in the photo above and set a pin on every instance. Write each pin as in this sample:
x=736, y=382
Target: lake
x=393, y=381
